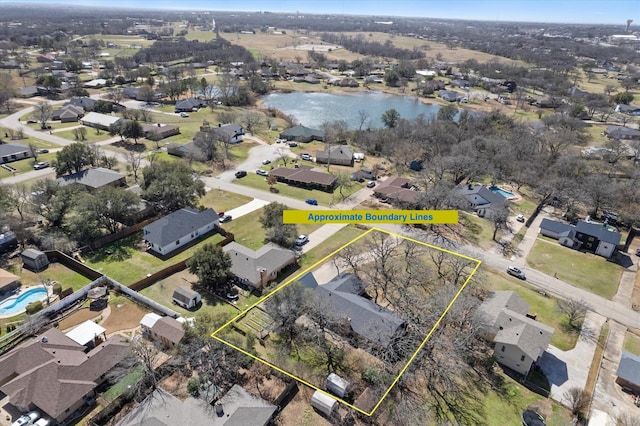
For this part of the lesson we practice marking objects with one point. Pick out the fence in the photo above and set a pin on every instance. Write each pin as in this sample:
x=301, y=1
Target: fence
x=160, y=275
x=143, y=299
x=69, y=262
x=120, y=234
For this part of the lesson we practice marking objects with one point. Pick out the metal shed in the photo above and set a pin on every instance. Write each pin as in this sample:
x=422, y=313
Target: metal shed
x=324, y=403
x=337, y=385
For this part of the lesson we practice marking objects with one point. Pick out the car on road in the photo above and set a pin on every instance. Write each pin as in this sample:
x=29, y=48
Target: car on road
x=638, y=252
x=241, y=174
x=371, y=184
x=41, y=165
x=302, y=240
x=520, y=218
x=262, y=172
x=265, y=162
x=27, y=419
x=42, y=151
x=516, y=272
x=293, y=144
x=305, y=156
x=226, y=218
x=184, y=115
x=311, y=201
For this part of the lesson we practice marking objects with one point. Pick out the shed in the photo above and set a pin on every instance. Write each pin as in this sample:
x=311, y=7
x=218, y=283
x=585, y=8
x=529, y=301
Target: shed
x=337, y=385
x=323, y=403
x=149, y=320
x=186, y=297
x=34, y=260
x=88, y=334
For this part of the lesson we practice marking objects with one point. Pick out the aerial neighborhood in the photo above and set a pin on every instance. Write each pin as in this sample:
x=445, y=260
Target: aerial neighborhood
x=149, y=159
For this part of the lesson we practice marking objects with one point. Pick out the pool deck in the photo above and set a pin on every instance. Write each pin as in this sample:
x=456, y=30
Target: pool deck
x=21, y=290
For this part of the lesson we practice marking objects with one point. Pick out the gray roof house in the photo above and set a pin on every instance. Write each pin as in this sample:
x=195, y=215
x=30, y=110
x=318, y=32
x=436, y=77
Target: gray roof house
x=588, y=236
x=229, y=133
x=237, y=407
x=340, y=155
x=13, y=152
x=258, y=267
x=94, y=178
x=189, y=104
x=619, y=132
x=480, y=197
x=341, y=298
x=629, y=371
x=449, y=95
x=173, y=231
x=519, y=340
x=302, y=134
x=99, y=121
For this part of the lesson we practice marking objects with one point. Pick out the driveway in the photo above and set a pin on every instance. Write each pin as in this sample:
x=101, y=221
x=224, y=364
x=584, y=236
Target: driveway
x=568, y=369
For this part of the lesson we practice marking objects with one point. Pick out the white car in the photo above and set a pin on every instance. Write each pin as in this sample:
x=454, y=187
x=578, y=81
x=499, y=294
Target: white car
x=266, y=162
x=516, y=272
x=41, y=165
x=27, y=419
x=262, y=172
x=520, y=218
x=305, y=156
x=184, y=115
x=42, y=422
x=302, y=240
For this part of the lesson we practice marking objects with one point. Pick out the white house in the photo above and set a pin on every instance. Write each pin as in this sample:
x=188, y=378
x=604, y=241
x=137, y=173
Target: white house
x=173, y=231
x=99, y=121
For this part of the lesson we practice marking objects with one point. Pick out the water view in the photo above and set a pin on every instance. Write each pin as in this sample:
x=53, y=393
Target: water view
x=314, y=109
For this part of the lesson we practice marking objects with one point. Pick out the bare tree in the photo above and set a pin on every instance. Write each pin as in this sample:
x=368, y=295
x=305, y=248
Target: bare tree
x=42, y=113
x=251, y=120
x=283, y=155
x=575, y=311
x=134, y=159
x=498, y=216
x=20, y=198
x=147, y=356
x=363, y=117
x=115, y=94
x=578, y=402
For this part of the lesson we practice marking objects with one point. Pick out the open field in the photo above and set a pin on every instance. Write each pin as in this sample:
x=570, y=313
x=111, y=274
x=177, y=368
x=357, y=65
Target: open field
x=92, y=135
x=220, y=200
x=585, y=270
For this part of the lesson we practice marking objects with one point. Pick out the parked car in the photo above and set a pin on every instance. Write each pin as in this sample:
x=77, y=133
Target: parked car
x=43, y=151
x=520, y=218
x=42, y=422
x=226, y=218
x=41, y=165
x=516, y=272
x=262, y=172
x=27, y=419
x=371, y=184
x=293, y=144
x=241, y=174
x=302, y=240
x=281, y=140
x=184, y=114
x=311, y=201
x=305, y=156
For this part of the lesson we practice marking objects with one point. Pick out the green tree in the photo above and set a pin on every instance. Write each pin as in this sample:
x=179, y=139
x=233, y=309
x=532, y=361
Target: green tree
x=447, y=113
x=171, y=185
x=390, y=118
x=278, y=232
x=74, y=158
x=211, y=265
x=52, y=201
x=50, y=82
x=622, y=98
x=107, y=208
x=132, y=130
x=391, y=78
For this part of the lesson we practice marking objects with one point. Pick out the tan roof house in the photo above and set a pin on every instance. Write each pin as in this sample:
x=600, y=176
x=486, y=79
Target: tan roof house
x=8, y=281
x=168, y=331
x=258, y=267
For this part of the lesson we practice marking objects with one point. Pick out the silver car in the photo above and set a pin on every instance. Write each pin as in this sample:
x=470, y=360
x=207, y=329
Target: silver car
x=516, y=272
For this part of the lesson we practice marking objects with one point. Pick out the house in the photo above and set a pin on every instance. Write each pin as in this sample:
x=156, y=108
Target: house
x=68, y=113
x=237, y=407
x=628, y=374
x=257, y=267
x=574, y=92
x=30, y=91
x=363, y=174
x=189, y=105
x=340, y=155
x=130, y=92
x=306, y=177
x=88, y=334
x=83, y=102
x=186, y=297
x=99, y=121
x=460, y=83
x=173, y=231
x=519, y=340
x=8, y=241
x=55, y=375
x=588, y=236
x=148, y=321
x=449, y=95
x=159, y=131
x=480, y=198
x=341, y=298
x=8, y=281
x=228, y=133
x=34, y=260
x=97, y=83
x=167, y=331
x=189, y=150
x=13, y=152
x=345, y=82
x=627, y=109
x=619, y=132
x=398, y=190
x=94, y=178
x=302, y=134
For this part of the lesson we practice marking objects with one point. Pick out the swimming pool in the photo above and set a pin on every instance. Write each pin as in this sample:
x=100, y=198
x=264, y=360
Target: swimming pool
x=16, y=305
x=502, y=192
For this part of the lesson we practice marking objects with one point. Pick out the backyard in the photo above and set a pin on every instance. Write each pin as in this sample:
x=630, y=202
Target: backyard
x=54, y=272
x=585, y=270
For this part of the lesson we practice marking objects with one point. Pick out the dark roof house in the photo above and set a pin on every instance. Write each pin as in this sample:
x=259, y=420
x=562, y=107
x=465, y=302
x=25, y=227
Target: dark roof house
x=480, y=197
x=179, y=228
x=94, y=178
x=302, y=134
x=588, y=236
x=13, y=152
x=619, y=132
x=629, y=371
x=340, y=155
x=189, y=104
x=305, y=176
x=159, y=131
x=397, y=190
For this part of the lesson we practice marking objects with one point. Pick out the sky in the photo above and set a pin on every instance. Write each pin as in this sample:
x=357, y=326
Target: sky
x=557, y=11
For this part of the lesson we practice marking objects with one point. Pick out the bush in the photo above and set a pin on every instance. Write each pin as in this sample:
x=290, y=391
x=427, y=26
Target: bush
x=34, y=307
x=193, y=386
x=57, y=289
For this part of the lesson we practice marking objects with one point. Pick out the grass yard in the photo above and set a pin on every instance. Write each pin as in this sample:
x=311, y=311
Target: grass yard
x=584, y=270
x=346, y=235
x=26, y=165
x=55, y=272
x=126, y=263
x=479, y=231
x=91, y=136
x=543, y=307
x=632, y=343
x=220, y=200
x=123, y=384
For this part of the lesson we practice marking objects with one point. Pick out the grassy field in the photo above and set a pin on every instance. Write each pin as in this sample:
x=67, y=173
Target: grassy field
x=585, y=270
x=220, y=200
x=26, y=165
x=91, y=136
x=126, y=263
x=544, y=307
x=632, y=343
x=55, y=272
x=346, y=235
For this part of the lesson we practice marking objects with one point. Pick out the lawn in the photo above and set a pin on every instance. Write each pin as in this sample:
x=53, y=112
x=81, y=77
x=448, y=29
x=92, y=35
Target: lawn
x=91, y=136
x=322, y=250
x=584, y=270
x=220, y=200
x=544, y=307
x=123, y=384
x=55, y=272
x=26, y=165
x=478, y=231
x=248, y=230
x=126, y=263
x=632, y=343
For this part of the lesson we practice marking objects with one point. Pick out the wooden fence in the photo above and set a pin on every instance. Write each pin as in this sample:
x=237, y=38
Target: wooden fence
x=108, y=239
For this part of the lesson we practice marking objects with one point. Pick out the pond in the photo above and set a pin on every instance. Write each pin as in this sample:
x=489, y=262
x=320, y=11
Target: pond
x=313, y=109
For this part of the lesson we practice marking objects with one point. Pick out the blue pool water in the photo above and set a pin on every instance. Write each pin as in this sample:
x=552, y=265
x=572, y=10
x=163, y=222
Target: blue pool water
x=502, y=192
x=16, y=305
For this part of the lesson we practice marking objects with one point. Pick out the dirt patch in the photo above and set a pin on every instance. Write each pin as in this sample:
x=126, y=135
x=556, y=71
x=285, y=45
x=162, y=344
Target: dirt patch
x=78, y=317
x=176, y=384
x=123, y=317
x=299, y=411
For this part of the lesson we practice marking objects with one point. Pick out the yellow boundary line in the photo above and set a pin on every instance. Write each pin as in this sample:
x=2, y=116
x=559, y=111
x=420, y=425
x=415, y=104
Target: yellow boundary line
x=324, y=259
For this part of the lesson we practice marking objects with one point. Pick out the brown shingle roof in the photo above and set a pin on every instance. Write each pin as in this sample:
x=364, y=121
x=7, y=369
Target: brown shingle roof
x=168, y=328
x=304, y=175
